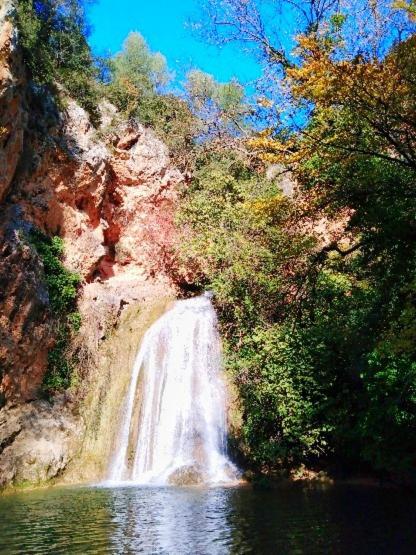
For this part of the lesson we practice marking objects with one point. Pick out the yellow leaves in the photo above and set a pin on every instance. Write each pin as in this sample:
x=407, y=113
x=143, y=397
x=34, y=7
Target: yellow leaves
x=272, y=150
x=338, y=281
x=262, y=143
x=348, y=96
x=288, y=153
x=408, y=6
x=326, y=81
x=3, y=132
x=315, y=78
x=265, y=102
x=314, y=46
x=273, y=208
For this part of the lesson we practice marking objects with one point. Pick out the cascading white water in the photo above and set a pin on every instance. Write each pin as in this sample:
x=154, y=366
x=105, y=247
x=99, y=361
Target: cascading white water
x=181, y=425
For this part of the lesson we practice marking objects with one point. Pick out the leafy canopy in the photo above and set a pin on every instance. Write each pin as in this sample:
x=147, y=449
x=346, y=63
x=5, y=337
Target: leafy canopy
x=53, y=38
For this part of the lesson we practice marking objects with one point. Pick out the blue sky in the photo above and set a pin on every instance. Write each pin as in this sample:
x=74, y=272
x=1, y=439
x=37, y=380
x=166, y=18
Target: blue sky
x=164, y=25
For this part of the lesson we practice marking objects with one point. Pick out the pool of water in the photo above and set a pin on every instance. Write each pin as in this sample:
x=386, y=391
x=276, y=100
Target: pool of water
x=342, y=519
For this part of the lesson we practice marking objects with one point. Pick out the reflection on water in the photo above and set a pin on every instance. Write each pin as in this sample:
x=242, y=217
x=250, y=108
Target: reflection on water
x=350, y=520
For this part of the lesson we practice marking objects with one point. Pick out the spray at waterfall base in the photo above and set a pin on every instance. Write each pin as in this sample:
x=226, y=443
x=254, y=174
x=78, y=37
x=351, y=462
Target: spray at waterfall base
x=175, y=431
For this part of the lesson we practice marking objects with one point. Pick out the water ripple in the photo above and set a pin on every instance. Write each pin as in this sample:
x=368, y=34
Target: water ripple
x=207, y=521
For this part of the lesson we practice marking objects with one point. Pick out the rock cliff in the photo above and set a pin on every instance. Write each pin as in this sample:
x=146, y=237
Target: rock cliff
x=110, y=194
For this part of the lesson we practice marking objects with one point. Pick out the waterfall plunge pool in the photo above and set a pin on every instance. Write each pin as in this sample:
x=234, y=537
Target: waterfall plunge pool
x=173, y=430
x=212, y=521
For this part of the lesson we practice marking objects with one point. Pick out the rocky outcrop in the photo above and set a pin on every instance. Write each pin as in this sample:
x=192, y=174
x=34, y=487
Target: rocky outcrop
x=110, y=194
x=26, y=326
x=37, y=441
x=112, y=203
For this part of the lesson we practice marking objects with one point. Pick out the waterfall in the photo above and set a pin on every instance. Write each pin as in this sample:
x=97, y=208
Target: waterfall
x=173, y=427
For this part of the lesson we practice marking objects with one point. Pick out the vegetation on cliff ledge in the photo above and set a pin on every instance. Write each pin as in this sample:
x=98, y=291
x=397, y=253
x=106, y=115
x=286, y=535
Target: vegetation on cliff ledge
x=53, y=39
x=62, y=289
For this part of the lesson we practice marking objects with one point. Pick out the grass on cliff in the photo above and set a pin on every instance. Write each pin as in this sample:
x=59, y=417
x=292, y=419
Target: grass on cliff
x=62, y=289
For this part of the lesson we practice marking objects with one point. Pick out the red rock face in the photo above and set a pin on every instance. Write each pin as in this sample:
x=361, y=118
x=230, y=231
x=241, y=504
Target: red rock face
x=112, y=202
x=11, y=113
x=26, y=330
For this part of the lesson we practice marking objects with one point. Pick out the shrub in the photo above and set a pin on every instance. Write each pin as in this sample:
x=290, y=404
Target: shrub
x=136, y=75
x=53, y=40
x=62, y=284
x=62, y=288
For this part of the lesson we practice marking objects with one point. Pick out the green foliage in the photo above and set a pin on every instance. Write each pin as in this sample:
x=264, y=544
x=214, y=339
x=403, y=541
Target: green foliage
x=210, y=110
x=136, y=75
x=321, y=345
x=388, y=425
x=282, y=397
x=321, y=337
x=137, y=79
x=146, y=70
x=219, y=106
x=172, y=121
x=62, y=288
x=60, y=369
x=52, y=36
x=377, y=361
x=232, y=222
x=62, y=284
x=75, y=321
x=337, y=21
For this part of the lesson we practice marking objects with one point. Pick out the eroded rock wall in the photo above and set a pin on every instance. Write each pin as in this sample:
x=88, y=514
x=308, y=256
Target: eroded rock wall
x=37, y=442
x=110, y=194
x=26, y=324
x=106, y=386
x=113, y=205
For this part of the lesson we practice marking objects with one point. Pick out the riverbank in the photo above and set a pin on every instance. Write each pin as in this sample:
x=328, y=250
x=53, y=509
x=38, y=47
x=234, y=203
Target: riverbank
x=297, y=480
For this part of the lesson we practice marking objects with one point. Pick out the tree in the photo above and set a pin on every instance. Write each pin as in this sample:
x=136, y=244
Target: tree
x=356, y=151
x=219, y=106
x=136, y=74
x=53, y=38
x=320, y=334
x=137, y=86
x=269, y=27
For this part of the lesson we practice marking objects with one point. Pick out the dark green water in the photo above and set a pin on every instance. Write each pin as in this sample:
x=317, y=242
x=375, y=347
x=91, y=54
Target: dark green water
x=348, y=520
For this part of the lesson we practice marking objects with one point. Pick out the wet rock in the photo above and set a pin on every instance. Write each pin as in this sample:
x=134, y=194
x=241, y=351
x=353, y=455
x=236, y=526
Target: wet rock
x=37, y=441
x=189, y=475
